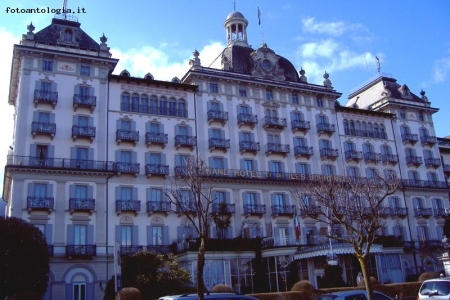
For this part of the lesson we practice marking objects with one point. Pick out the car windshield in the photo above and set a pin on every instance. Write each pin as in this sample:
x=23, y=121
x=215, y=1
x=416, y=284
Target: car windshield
x=325, y=297
x=435, y=287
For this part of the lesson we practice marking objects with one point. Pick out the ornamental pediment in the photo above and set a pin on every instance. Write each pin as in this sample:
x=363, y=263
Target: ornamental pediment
x=265, y=64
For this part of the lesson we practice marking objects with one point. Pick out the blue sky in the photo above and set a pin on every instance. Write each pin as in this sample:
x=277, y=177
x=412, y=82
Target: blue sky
x=411, y=39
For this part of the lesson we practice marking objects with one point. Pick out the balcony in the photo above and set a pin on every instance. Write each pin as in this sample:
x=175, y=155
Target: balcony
x=423, y=212
x=439, y=213
x=400, y=212
x=127, y=168
x=433, y=162
x=217, y=116
x=187, y=207
x=38, y=128
x=45, y=97
x=300, y=125
x=283, y=210
x=272, y=242
x=428, y=140
x=247, y=119
x=87, y=132
x=219, y=144
x=81, y=251
x=81, y=204
x=128, y=205
x=162, y=249
x=353, y=155
x=424, y=183
x=300, y=151
x=245, y=146
x=410, y=138
x=325, y=128
x=274, y=123
x=372, y=157
x=158, y=170
x=272, y=148
x=389, y=159
x=413, y=160
x=158, y=207
x=311, y=210
x=254, y=209
x=59, y=163
x=130, y=250
x=446, y=167
x=129, y=136
x=443, y=142
x=84, y=101
x=40, y=203
x=430, y=245
x=180, y=170
x=185, y=141
x=152, y=138
x=223, y=208
x=329, y=153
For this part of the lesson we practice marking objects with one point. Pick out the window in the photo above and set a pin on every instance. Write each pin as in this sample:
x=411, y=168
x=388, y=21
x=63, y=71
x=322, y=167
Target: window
x=183, y=130
x=275, y=167
x=294, y=98
x=297, y=116
x=216, y=134
x=157, y=235
x=217, y=163
x=85, y=70
x=163, y=106
x=67, y=37
x=273, y=139
x=82, y=154
x=244, y=110
x=172, y=107
x=213, y=88
x=242, y=91
x=41, y=152
x=421, y=116
x=81, y=191
x=370, y=173
x=155, y=158
x=80, y=238
x=302, y=168
x=47, y=65
x=386, y=150
x=325, y=144
x=44, y=117
x=46, y=87
x=126, y=235
x=349, y=146
x=250, y=199
x=278, y=200
x=125, y=102
x=432, y=176
x=402, y=114
x=414, y=176
x=153, y=105
x=143, y=108
x=269, y=94
x=300, y=142
x=319, y=102
x=83, y=121
x=423, y=233
x=40, y=191
x=352, y=172
x=182, y=108
x=125, y=157
x=135, y=103
x=248, y=165
x=156, y=195
x=79, y=291
x=328, y=170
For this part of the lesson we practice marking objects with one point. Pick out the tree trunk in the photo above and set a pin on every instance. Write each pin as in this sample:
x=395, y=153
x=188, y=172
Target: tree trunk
x=366, y=276
x=200, y=265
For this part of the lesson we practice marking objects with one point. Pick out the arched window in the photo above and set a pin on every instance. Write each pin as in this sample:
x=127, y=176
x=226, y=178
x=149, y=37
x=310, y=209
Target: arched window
x=172, y=107
x=135, y=103
x=382, y=132
x=143, y=108
x=274, y=113
x=346, y=128
x=352, y=127
x=163, y=106
x=375, y=130
x=267, y=112
x=358, y=128
x=364, y=129
x=153, y=105
x=182, y=112
x=370, y=129
x=125, y=102
x=68, y=35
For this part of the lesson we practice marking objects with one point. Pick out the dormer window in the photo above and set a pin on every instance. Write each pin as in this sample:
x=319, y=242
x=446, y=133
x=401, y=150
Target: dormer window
x=85, y=70
x=68, y=35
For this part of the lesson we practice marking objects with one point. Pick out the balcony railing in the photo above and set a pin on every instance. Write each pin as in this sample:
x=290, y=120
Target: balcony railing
x=158, y=206
x=152, y=138
x=84, y=101
x=153, y=169
x=245, y=146
x=128, y=205
x=271, y=242
x=300, y=125
x=272, y=148
x=389, y=159
x=428, y=140
x=81, y=251
x=365, y=133
x=353, y=155
x=443, y=142
x=81, y=204
x=329, y=153
x=59, y=163
x=433, y=162
x=131, y=136
x=414, y=160
x=130, y=250
x=274, y=122
x=185, y=141
x=127, y=168
x=424, y=183
x=311, y=210
x=181, y=170
x=439, y=212
x=247, y=119
x=40, y=203
x=303, y=151
x=46, y=97
x=224, y=208
x=217, y=115
x=83, y=132
x=254, y=209
x=162, y=249
x=325, y=128
x=188, y=207
x=43, y=128
x=283, y=210
x=410, y=138
x=423, y=212
x=219, y=144
x=372, y=157
x=400, y=212
x=446, y=167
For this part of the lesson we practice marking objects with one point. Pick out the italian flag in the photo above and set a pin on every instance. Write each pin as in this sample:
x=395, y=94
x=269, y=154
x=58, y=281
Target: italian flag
x=296, y=225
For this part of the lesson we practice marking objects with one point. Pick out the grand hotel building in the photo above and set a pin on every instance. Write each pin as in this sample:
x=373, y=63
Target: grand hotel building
x=92, y=152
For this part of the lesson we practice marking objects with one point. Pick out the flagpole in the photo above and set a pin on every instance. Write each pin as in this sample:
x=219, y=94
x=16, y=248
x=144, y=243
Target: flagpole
x=260, y=27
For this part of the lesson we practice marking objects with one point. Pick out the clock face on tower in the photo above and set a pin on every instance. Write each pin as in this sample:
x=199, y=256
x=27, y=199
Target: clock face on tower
x=266, y=65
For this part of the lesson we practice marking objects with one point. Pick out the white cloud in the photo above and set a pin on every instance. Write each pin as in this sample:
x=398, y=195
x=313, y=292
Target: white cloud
x=330, y=28
x=441, y=70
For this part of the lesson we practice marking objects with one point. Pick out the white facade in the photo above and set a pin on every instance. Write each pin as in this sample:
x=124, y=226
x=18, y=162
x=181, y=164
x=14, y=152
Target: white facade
x=91, y=170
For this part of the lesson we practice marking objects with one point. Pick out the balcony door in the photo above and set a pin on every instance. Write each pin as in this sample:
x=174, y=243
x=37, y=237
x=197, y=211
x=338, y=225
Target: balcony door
x=40, y=191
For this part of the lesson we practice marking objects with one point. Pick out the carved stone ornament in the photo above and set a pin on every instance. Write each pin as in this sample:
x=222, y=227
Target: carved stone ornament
x=265, y=64
x=271, y=104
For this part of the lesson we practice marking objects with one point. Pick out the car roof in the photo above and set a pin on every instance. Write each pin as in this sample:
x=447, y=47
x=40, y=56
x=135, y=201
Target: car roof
x=346, y=293
x=207, y=295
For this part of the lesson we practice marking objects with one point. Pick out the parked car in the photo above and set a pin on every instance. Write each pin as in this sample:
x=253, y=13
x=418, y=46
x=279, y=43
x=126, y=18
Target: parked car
x=437, y=289
x=352, y=295
x=209, y=296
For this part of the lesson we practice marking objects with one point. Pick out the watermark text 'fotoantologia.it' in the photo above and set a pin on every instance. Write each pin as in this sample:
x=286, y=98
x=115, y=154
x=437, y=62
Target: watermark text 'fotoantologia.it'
x=45, y=10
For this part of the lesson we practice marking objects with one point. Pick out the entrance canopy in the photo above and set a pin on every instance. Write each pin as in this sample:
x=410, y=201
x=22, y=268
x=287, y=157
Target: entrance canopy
x=338, y=248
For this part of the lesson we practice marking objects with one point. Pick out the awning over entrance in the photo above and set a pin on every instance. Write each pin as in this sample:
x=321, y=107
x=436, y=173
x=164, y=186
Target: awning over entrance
x=338, y=248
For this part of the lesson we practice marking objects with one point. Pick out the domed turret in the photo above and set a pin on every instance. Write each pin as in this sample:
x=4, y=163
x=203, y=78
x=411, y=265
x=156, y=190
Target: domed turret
x=236, y=29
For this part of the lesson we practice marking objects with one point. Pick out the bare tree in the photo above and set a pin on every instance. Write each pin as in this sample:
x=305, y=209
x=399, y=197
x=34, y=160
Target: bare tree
x=190, y=189
x=352, y=204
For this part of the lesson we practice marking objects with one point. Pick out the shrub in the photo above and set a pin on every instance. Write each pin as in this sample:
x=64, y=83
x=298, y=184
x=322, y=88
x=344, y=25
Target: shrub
x=428, y=275
x=373, y=280
x=28, y=295
x=306, y=288
x=129, y=293
x=221, y=288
